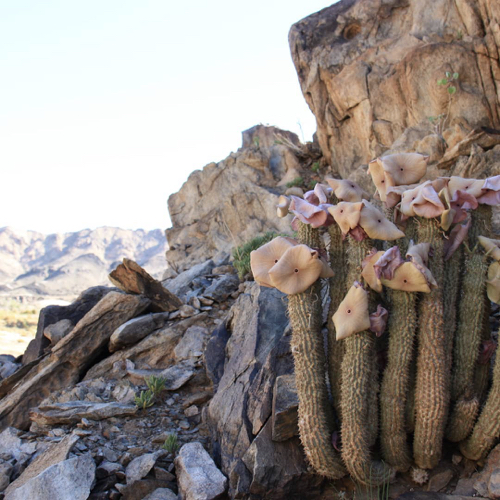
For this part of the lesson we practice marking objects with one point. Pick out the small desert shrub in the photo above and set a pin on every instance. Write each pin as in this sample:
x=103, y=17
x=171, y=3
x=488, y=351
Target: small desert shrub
x=241, y=254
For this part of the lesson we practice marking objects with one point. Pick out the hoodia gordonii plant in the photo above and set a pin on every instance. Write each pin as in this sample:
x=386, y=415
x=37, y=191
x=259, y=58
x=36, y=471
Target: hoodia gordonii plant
x=298, y=278
x=361, y=222
x=440, y=213
x=343, y=190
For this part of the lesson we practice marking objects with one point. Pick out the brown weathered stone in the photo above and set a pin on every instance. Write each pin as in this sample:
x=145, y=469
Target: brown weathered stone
x=369, y=71
x=285, y=408
x=132, y=278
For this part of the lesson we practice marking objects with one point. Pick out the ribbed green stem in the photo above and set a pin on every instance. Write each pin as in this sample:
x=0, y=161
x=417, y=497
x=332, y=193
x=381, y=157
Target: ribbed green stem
x=470, y=326
x=480, y=224
x=358, y=384
x=462, y=419
x=487, y=429
x=432, y=390
x=308, y=235
x=482, y=372
x=315, y=429
x=336, y=348
x=395, y=382
x=452, y=282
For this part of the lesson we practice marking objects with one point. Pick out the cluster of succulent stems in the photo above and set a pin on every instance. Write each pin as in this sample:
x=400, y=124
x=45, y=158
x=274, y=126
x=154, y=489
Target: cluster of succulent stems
x=424, y=275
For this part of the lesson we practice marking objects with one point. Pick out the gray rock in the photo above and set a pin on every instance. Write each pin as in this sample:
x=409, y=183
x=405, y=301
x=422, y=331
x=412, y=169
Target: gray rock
x=8, y=368
x=67, y=480
x=186, y=311
x=52, y=314
x=222, y=287
x=5, y=473
x=71, y=357
x=176, y=376
x=182, y=283
x=163, y=474
x=153, y=352
x=161, y=494
x=197, y=475
x=193, y=341
x=214, y=355
x=59, y=330
x=106, y=469
x=285, y=408
x=494, y=484
x=135, y=330
x=54, y=454
x=275, y=466
x=11, y=444
x=140, y=466
x=482, y=478
x=73, y=411
x=257, y=352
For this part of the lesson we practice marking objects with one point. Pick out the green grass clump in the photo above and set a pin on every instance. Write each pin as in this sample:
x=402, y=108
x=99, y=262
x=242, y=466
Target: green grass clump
x=171, y=444
x=297, y=182
x=155, y=384
x=241, y=254
x=145, y=399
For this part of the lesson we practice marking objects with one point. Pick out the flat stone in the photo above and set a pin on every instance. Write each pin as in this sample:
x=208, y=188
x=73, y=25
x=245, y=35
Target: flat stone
x=222, y=287
x=285, y=408
x=440, y=480
x=494, y=484
x=214, y=355
x=106, y=469
x=192, y=341
x=197, y=475
x=187, y=311
x=8, y=368
x=227, y=269
x=176, y=376
x=181, y=284
x=67, y=480
x=56, y=331
x=140, y=466
x=74, y=411
x=136, y=329
x=161, y=494
x=54, y=454
x=198, y=398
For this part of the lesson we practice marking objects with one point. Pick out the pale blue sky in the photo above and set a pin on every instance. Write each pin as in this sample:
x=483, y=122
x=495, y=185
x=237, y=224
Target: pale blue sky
x=107, y=106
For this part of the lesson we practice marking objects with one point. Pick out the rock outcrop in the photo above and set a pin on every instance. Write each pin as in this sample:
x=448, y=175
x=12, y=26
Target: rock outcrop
x=369, y=73
x=230, y=202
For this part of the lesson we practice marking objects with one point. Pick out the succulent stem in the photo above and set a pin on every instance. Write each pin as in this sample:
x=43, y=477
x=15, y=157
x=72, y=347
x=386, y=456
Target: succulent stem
x=336, y=348
x=432, y=390
x=396, y=379
x=315, y=413
x=358, y=383
x=487, y=429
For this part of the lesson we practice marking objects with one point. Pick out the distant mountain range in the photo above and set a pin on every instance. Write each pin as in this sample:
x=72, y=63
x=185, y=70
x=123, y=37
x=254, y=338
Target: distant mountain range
x=64, y=264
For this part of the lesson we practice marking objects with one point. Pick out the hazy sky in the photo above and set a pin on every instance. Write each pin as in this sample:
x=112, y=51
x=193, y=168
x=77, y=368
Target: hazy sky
x=107, y=106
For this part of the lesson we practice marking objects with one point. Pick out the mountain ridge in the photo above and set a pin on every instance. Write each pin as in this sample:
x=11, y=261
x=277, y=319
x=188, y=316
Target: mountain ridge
x=63, y=264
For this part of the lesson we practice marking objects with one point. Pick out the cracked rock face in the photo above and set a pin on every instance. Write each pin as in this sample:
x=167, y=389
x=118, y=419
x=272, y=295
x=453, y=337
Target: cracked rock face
x=369, y=72
x=230, y=202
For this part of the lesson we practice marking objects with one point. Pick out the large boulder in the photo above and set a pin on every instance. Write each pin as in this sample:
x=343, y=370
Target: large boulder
x=369, y=72
x=230, y=202
x=239, y=415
